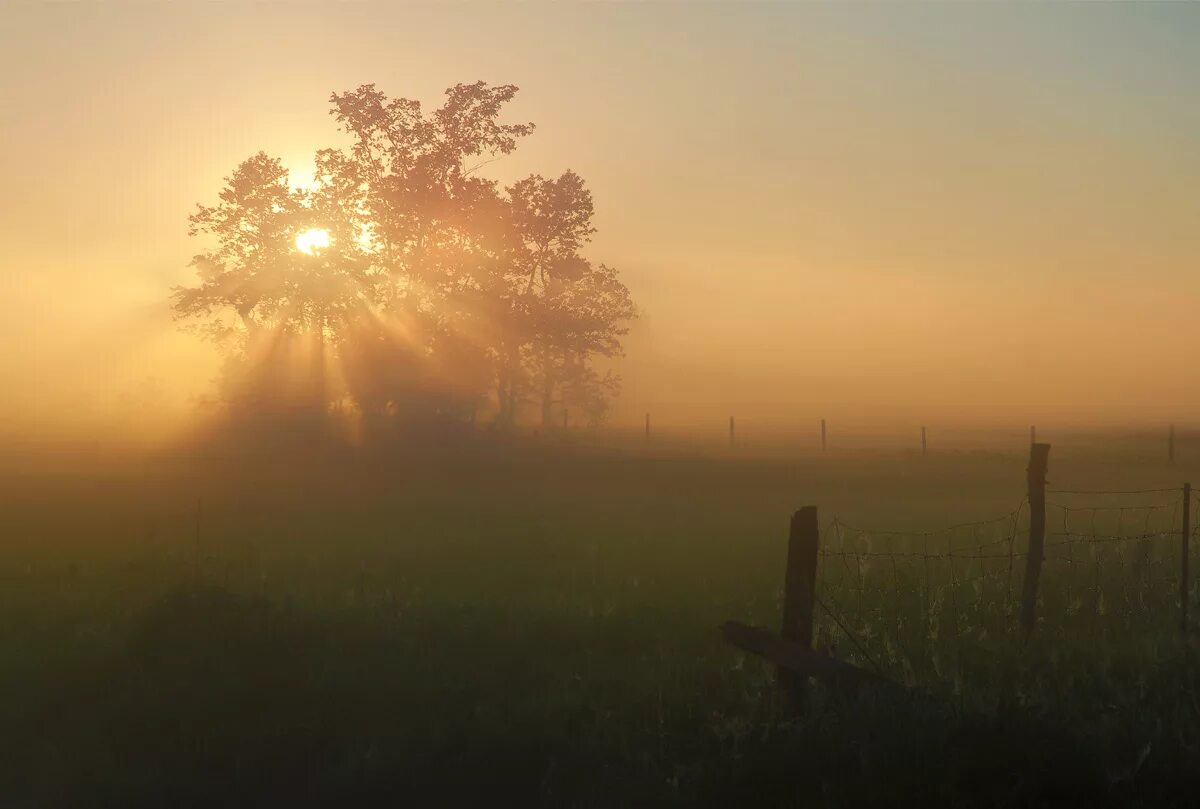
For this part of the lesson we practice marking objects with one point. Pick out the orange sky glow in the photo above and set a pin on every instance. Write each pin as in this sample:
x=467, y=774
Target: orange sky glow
x=956, y=214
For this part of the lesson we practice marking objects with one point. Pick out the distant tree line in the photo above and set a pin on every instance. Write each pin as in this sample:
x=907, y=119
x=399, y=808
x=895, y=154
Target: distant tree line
x=404, y=284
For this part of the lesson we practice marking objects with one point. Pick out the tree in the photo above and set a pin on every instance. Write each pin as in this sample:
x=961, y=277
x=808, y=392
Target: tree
x=439, y=232
x=272, y=307
x=432, y=286
x=571, y=311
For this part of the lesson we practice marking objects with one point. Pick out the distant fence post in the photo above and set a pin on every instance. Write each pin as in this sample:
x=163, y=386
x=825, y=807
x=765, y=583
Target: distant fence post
x=731, y=438
x=1184, y=585
x=823, y=435
x=647, y=426
x=924, y=444
x=565, y=419
x=1171, y=443
x=799, y=594
x=1039, y=456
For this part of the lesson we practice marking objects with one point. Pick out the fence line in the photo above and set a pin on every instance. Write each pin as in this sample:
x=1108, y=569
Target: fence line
x=957, y=585
x=961, y=579
x=1110, y=492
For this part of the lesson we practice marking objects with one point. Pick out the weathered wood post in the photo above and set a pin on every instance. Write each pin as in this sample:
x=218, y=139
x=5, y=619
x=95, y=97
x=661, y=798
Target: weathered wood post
x=1171, y=443
x=1184, y=584
x=791, y=651
x=823, y=444
x=647, y=426
x=924, y=444
x=799, y=594
x=1039, y=456
x=731, y=438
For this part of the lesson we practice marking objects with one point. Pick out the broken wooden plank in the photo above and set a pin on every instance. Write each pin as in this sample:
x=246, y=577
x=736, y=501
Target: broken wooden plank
x=796, y=658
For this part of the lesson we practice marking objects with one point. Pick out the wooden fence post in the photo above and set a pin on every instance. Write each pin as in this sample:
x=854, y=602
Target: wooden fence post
x=823, y=435
x=564, y=419
x=647, y=426
x=1039, y=456
x=924, y=445
x=1171, y=443
x=731, y=438
x=1184, y=585
x=799, y=594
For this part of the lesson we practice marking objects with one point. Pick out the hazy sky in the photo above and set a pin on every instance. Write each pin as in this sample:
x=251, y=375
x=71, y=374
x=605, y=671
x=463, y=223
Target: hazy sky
x=956, y=211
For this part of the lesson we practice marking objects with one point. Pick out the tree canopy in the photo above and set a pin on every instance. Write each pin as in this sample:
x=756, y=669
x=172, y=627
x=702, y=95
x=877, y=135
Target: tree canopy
x=404, y=284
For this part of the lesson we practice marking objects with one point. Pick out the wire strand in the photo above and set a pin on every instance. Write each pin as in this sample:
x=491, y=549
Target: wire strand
x=849, y=634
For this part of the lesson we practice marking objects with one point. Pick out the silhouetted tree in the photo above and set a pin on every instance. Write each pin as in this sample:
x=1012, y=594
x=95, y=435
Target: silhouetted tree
x=435, y=287
x=273, y=308
x=570, y=311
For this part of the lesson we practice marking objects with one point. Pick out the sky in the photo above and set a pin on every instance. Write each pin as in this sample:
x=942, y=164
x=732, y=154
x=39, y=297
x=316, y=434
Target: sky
x=952, y=213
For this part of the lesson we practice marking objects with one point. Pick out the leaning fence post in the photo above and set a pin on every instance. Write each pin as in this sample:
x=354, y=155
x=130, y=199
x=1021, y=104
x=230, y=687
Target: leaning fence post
x=1039, y=456
x=1184, y=586
x=799, y=594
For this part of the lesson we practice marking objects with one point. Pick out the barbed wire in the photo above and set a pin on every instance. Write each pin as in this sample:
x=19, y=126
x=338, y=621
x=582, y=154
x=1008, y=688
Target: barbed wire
x=1148, y=507
x=1113, y=491
x=934, y=532
x=1106, y=538
x=973, y=552
x=963, y=554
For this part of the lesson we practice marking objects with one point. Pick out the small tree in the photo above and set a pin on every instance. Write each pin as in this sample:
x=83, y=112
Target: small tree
x=570, y=310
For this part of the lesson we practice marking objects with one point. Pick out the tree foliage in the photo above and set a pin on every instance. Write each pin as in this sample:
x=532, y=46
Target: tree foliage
x=438, y=294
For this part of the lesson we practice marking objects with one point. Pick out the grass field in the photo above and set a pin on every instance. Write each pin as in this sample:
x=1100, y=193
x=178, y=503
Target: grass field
x=526, y=625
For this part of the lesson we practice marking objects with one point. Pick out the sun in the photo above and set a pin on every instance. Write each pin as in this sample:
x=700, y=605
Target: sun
x=311, y=240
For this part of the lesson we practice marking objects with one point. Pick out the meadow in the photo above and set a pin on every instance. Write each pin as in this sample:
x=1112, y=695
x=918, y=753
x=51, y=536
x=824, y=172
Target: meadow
x=535, y=623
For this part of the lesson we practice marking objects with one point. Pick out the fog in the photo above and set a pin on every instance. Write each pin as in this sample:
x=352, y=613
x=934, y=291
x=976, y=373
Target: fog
x=598, y=404
x=883, y=216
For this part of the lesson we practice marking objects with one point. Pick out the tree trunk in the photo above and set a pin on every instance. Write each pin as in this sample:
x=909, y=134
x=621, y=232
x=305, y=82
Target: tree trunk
x=547, y=389
x=547, y=403
x=506, y=388
x=320, y=383
x=502, y=398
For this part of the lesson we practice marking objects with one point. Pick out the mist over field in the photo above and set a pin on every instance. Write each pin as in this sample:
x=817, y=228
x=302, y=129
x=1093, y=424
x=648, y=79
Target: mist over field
x=865, y=212
x=649, y=404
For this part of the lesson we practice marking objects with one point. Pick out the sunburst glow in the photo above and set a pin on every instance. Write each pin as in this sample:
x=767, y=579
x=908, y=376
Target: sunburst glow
x=312, y=240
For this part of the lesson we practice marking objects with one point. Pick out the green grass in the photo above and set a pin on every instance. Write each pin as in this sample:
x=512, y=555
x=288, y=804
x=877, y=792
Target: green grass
x=498, y=624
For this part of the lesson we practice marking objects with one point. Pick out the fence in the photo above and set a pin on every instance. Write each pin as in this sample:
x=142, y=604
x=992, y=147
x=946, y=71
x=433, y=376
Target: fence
x=778, y=435
x=905, y=605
